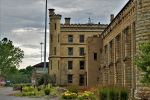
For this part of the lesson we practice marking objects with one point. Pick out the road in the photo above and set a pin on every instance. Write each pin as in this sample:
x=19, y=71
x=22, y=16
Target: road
x=5, y=91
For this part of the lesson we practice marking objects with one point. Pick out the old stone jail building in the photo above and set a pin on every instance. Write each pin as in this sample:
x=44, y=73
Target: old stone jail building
x=96, y=54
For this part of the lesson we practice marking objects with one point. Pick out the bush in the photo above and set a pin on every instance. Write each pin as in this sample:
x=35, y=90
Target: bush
x=47, y=91
x=123, y=95
x=112, y=93
x=73, y=89
x=86, y=95
x=69, y=95
x=28, y=93
x=28, y=89
x=103, y=94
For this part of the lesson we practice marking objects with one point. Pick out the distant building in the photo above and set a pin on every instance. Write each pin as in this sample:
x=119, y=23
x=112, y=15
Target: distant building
x=38, y=70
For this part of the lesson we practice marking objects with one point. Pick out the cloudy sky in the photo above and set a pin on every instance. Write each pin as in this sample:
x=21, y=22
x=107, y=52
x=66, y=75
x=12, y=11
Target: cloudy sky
x=22, y=21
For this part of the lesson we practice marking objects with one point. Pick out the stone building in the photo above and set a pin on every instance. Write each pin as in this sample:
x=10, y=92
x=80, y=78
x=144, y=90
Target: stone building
x=105, y=55
x=67, y=56
x=118, y=45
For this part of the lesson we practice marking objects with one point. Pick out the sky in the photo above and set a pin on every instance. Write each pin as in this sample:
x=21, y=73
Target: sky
x=22, y=21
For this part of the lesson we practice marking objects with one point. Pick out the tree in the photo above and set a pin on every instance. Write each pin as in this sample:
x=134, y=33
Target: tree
x=10, y=56
x=28, y=71
x=142, y=60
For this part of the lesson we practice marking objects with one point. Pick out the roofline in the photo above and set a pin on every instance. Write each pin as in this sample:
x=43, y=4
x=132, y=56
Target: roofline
x=117, y=16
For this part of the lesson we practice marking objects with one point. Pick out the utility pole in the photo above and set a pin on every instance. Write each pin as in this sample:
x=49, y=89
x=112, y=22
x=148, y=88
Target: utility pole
x=41, y=50
x=45, y=37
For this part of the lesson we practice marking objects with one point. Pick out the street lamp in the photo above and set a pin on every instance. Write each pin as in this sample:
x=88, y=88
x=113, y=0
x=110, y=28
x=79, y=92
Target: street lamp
x=45, y=37
x=41, y=50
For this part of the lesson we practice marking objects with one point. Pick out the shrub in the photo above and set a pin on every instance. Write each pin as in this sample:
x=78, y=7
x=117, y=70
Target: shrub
x=112, y=93
x=69, y=95
x=103, y=94
x=28, y=93
x=73, y=89
x=123, y=94
x=39, y=89
x=28, y=89
x=54, y=91
x=47, y=91
x=86, y=95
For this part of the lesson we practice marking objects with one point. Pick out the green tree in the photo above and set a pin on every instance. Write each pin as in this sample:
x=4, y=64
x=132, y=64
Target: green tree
x=142, y=60
x=28, y=71
x=10, y=56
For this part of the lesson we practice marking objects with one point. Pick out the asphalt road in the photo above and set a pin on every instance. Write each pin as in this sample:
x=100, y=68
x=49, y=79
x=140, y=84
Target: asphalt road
x=5, y=91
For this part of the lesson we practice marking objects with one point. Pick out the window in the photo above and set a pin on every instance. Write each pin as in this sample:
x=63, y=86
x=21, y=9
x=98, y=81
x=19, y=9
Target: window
x=81, y=38
x=70, y=38
x=81, y=80
x=95, y=56
x=70, y=51
x=82, y=64
x=81, y=51
x=70, y=64
x=70, y=78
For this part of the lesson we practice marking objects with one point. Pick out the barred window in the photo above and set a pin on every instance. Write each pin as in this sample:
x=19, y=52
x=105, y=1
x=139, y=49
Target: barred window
x=70, y=51
x=70, y=79
x=70, y=38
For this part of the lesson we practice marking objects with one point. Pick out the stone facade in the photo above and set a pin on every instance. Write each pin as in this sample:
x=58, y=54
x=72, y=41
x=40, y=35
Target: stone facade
x=67, y=56
x=93, y=58
x=120, y=44
x=119, y=49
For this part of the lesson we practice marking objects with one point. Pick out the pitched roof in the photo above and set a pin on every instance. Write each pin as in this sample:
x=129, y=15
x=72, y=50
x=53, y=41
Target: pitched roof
x=41, y=65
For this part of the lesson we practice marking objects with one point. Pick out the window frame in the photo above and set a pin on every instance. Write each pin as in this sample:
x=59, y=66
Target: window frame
x=70, y=62
x=70, y=78
x=70, y=54
x=82, y=67
x=70, y=38
x=81, y=38
x=95, y=56
x=80, y=51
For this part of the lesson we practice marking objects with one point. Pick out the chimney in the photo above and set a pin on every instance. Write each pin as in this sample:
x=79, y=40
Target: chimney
x=111, y=17
x=51, y=12
x=67, y=20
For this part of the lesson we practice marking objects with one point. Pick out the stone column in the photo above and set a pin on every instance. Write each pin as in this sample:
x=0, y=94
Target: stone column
x=114, y=60
x=127, y=57
x=111, y=64
x=118, y=61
